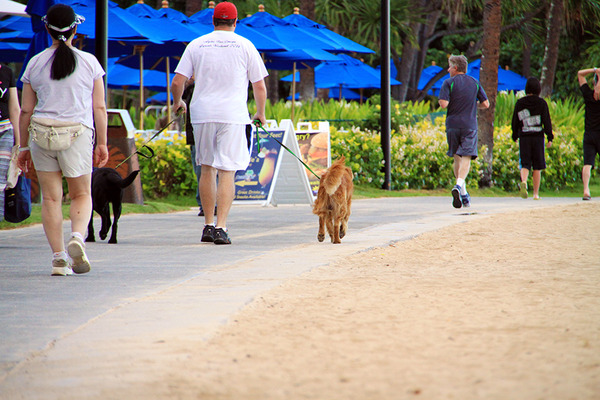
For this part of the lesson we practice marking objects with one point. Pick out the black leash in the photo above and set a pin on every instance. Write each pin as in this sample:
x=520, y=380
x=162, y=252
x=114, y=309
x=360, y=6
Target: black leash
x=145, y=144
x=259, y=124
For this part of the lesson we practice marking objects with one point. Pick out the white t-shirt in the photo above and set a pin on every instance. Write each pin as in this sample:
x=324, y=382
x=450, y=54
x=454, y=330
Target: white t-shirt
x=68, y=99
x=222, y=63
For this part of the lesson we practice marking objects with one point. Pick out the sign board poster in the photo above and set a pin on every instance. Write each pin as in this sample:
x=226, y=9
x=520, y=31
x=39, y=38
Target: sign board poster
x=315, y=150
x=254, y=184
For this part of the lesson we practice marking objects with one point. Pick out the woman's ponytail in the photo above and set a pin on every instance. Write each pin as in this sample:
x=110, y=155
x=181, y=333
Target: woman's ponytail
x=64, y=62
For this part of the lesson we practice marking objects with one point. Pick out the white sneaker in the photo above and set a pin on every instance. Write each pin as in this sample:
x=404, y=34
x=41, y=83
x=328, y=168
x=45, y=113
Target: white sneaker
x=76, y=250
x=61, y=267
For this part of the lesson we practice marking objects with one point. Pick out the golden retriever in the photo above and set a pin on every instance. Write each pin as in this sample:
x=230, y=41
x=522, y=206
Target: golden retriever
x=334, y=199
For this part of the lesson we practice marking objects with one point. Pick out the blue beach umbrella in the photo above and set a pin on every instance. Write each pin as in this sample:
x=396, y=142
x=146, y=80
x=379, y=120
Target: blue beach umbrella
x=202, y=22
x=348, y=73
x=507, y=80
x=341, y=43
x=285, y=33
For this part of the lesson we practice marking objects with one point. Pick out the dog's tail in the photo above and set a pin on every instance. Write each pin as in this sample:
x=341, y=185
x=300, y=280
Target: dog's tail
x=331, y=181
x=129, y=180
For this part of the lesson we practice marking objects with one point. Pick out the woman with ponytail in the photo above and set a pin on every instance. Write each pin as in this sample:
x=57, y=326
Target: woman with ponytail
x=63, y=98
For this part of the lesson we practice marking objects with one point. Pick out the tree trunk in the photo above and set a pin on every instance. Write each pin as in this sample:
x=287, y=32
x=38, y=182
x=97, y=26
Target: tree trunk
x=492, y=22
x=307, y=76
x=526, y=71
x=307, y=8
x=192, y=7
x=555, y=22
x=407, y=63
x=272, y=83
x=307, y=84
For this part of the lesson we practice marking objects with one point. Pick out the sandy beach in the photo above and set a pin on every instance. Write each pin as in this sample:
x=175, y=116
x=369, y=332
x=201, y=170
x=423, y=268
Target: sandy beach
x=500, y=307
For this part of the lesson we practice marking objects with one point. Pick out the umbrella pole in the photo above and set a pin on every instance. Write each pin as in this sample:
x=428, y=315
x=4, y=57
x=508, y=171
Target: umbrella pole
x=340, y=94
x=361, y=95
x=168, y=88
x=140, y=49
x=293, y=90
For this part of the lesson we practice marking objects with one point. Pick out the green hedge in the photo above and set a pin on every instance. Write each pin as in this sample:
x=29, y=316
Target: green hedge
x=418, y=151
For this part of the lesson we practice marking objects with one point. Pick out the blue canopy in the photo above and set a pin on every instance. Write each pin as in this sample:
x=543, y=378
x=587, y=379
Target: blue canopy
x=284, y=60
x=507, y=80
x=342, y=44
x=119, y=76
x=202, y=22
x=348, y=73
x=285, y=33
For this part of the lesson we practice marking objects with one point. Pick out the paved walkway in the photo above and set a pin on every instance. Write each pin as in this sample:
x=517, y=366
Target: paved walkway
x=161, y=277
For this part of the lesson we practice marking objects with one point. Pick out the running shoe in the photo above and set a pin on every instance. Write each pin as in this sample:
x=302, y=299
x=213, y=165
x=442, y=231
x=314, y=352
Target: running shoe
x=456, y=201
x=523, y=189
x=76, y=250
x=208, y=234
x=466, y=200
x=61, y=267
x=221, y=236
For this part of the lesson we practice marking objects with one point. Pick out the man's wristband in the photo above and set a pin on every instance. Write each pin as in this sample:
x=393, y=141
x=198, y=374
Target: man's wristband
x=23, y=148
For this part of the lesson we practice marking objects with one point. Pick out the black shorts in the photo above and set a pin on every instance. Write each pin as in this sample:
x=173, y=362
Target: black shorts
x=591, y=147
x=531, y=152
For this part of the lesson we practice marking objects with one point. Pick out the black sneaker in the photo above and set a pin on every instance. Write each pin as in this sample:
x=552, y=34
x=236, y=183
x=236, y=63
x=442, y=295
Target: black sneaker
x=221, y=237
x=208, y=234
x=201, y=212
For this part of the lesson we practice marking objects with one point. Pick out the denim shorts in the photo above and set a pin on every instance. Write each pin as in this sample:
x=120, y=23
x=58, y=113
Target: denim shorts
x=462, y=142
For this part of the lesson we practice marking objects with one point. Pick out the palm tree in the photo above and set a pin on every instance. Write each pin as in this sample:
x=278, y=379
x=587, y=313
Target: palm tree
x=492, y=23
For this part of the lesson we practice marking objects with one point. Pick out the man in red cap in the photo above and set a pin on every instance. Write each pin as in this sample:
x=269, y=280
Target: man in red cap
x=222, y=63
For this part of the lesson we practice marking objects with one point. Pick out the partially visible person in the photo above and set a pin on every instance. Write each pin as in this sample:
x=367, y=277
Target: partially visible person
x=531, y=119
x=189, y=140
x=63, y=86
x=223, y=63
x=461, y=94
x=9, y=125
x=591, y=135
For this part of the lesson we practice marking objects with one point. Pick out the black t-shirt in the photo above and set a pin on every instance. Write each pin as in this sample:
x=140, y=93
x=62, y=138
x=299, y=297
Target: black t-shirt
x=7, y=80
x=531, y=118
x=592, y=110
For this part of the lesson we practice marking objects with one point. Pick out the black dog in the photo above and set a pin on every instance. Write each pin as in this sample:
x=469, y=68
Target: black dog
x=107, y=187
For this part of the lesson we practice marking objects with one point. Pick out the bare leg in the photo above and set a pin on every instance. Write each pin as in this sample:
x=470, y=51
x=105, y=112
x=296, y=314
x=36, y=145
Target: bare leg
x=537, y=179
x=80, y=192
x=586, y=173
x=225, y=196
x=525, y=174
x=52, y=218
x=462, y=165
x=208, y=192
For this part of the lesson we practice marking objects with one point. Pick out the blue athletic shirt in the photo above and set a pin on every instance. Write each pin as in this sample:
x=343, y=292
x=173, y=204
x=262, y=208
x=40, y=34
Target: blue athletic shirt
x=462, y=92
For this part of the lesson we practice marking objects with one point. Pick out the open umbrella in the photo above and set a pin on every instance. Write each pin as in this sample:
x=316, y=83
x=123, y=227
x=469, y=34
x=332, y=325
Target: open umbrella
x=507, y=80
x=341, y=43
x=202, y=22
x=348, y=73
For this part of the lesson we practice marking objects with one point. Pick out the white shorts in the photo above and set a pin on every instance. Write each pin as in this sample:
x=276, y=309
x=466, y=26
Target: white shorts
x=221, y=146
x=74, y=162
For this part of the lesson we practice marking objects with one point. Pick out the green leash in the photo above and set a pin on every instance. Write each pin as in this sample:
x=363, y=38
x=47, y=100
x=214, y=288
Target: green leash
x=259, y=124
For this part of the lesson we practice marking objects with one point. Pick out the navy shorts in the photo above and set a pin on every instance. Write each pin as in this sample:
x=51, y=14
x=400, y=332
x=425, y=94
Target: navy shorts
x=462, y=142
x=591, y=147
x=531, y=152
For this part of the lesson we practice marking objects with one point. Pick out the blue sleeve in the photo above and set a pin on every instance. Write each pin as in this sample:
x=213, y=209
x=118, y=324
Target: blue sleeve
x=445, y=90
x=481, y=96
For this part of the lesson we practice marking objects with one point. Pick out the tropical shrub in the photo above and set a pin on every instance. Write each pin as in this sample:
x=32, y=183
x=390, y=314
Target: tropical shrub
x=169, y=171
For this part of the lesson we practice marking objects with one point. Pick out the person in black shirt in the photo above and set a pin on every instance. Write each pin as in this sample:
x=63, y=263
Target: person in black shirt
x=9, y=125
x=531, y=119
x=591, y=136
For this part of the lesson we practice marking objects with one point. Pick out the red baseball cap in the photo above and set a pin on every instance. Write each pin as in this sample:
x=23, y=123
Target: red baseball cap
x=225, y=10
